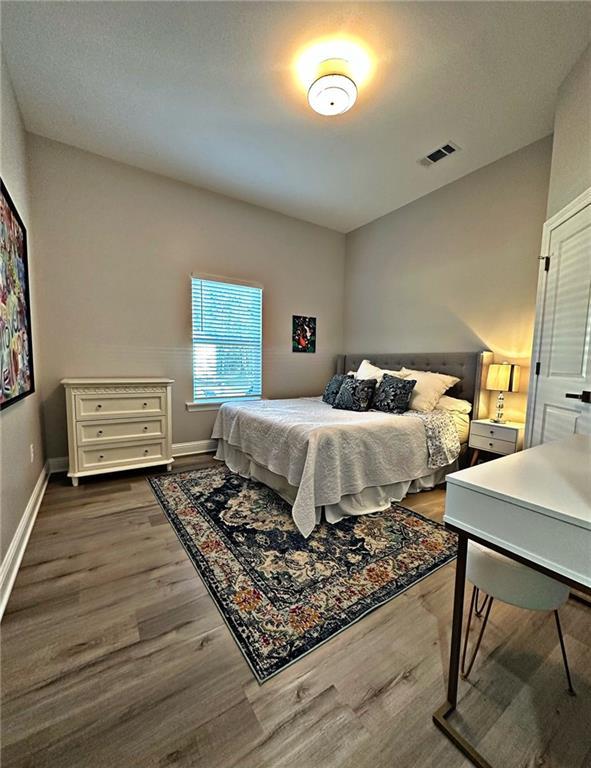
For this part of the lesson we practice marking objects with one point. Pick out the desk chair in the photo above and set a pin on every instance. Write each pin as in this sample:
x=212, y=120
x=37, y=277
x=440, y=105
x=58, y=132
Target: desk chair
x=501, y=578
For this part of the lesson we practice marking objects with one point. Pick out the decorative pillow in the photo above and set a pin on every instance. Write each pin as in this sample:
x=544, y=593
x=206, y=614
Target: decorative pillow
x=428, y=389
x=368, y=370
x=355, y=395
x=393, y=394
x=453, y=404
x=332, y=388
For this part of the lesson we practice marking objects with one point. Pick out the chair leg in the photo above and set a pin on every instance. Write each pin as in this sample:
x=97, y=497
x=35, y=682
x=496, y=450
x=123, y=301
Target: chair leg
x=486, y=606
x=571, y=690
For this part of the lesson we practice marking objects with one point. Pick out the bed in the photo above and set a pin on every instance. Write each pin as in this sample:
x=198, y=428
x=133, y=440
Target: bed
x=339, y=463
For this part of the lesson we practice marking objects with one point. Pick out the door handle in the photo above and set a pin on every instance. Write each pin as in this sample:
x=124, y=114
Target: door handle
x=584, y=396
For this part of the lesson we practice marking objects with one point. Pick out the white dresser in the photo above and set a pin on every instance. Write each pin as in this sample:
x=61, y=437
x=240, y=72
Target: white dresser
x=116, y=424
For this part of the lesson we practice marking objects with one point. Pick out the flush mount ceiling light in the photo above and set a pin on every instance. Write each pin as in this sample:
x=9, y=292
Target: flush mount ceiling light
x=331, y=71
x=332, y=94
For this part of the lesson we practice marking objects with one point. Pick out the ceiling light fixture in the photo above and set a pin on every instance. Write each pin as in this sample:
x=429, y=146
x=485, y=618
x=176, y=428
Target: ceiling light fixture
x=332, y=94
x=331, y=71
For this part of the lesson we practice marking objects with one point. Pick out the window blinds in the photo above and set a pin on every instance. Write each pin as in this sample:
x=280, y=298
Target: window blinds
x=227, y=340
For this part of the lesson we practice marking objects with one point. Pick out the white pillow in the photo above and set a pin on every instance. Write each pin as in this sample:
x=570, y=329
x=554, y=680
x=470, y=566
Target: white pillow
x=428, y=389
x=369, y=371
x=453, y=404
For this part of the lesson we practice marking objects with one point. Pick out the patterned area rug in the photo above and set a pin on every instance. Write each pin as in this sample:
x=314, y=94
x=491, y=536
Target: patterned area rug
x=280, y=594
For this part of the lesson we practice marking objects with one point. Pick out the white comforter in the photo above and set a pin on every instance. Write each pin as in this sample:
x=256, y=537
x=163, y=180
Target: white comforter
x=330, y=453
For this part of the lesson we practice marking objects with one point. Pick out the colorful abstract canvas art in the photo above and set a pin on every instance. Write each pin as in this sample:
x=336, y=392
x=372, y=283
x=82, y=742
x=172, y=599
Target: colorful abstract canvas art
x=303, y=336
x=16, y=349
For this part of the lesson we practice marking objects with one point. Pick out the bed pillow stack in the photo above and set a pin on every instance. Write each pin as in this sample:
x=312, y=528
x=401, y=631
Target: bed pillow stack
x=383, y=390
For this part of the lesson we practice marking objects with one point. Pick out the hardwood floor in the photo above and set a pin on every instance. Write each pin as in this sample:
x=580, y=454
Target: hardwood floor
x=113, y=654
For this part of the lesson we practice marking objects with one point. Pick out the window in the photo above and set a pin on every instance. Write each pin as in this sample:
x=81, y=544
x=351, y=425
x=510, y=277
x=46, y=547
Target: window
x=227, y=340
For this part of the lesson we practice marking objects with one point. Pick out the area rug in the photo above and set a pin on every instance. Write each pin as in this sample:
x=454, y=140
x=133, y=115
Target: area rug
x=282, y=595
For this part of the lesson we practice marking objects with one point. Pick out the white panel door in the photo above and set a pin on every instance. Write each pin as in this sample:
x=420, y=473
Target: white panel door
x=562, y=403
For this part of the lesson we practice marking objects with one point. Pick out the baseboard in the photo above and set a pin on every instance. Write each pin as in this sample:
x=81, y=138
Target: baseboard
x=16, y=550
x=60, y=463
x=198, y=446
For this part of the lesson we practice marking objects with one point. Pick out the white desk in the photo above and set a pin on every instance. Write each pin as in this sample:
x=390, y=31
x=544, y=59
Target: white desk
x=533, y=506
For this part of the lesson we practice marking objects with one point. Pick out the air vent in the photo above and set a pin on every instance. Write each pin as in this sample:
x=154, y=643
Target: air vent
x=439, y=154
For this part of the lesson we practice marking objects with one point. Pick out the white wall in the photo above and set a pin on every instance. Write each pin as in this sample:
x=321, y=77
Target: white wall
x=20, y=423
x=571, y=151
x=117, y=246
x=455, y=270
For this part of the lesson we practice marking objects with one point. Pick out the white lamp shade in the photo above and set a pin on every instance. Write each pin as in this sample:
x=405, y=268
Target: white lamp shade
x=503, y=377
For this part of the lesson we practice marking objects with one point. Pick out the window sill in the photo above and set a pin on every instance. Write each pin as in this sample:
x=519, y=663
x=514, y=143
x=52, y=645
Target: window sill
x=202, y=406
x=215, y=406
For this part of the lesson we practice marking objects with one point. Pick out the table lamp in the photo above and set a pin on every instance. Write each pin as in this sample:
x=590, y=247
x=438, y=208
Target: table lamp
x=502, y=377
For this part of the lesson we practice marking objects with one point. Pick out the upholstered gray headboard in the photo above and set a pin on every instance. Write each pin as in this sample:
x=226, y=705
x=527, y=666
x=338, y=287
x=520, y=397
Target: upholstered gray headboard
x=470, y=367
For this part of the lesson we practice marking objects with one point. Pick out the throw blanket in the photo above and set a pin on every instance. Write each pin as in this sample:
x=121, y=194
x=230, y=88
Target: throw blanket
x=328, y=453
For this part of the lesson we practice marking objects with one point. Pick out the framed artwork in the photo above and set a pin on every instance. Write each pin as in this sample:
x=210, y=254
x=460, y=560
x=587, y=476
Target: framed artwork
x=303, y=335
x=16, y=347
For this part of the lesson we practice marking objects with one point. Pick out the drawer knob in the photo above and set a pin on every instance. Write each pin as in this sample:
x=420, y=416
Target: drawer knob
x=146, y=452
x=490, y=445
x=100, y=432
x=145, y=405
x=99, y=406
x=492, y=433
x=145, y=429
x=101, y=455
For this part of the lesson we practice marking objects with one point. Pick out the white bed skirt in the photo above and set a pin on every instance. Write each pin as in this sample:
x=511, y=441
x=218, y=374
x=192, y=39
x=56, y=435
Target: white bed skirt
x=373, y=499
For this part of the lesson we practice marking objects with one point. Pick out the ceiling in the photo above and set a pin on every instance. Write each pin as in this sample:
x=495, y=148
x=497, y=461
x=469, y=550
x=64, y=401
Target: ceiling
x=205, y=92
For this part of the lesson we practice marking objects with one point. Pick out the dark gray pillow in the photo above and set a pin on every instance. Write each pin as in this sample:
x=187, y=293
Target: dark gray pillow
x=332, y=388
x=355, y=394
x=393, y=394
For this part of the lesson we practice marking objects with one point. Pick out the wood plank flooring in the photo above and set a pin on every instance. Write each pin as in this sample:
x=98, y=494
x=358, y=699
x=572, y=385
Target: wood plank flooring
x=114, y=655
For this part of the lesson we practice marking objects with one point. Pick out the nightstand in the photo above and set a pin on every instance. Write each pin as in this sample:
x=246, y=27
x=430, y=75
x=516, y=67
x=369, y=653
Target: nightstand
x=486, y=435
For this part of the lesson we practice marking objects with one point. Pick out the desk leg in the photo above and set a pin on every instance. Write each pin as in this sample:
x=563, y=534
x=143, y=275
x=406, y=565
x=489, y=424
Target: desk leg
x=458, y=616
x=441, y=715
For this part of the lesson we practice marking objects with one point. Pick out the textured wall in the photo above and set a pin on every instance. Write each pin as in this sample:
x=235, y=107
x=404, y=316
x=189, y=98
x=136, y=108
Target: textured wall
x=117, y=246
x=571, y=151
x=455, y=270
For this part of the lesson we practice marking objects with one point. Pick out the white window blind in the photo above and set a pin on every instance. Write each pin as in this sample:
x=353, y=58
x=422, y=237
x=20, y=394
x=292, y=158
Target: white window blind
x=227, y=340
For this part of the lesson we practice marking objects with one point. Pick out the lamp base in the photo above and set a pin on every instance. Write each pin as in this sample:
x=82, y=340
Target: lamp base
x=497, y=421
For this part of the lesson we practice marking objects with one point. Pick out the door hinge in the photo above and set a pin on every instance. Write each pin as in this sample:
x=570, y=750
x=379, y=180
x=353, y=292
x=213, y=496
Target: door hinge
x=546, y=264
x=538, y=368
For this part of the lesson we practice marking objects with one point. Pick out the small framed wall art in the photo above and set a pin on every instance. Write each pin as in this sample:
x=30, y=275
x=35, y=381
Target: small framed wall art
x=16, y=347
x=303, y=335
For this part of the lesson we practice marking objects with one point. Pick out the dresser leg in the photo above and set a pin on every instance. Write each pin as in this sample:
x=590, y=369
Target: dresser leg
x=168, y=467
x=75, y=482
x=475, y=454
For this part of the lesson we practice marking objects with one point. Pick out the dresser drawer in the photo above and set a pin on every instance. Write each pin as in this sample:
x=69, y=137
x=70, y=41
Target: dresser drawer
x=103, y=430
x=491, y=444
x=496, y=431
x=114, y=455
x=92, y=406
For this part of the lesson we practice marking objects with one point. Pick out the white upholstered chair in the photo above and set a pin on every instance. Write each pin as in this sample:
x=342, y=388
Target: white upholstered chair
x=501, y=578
